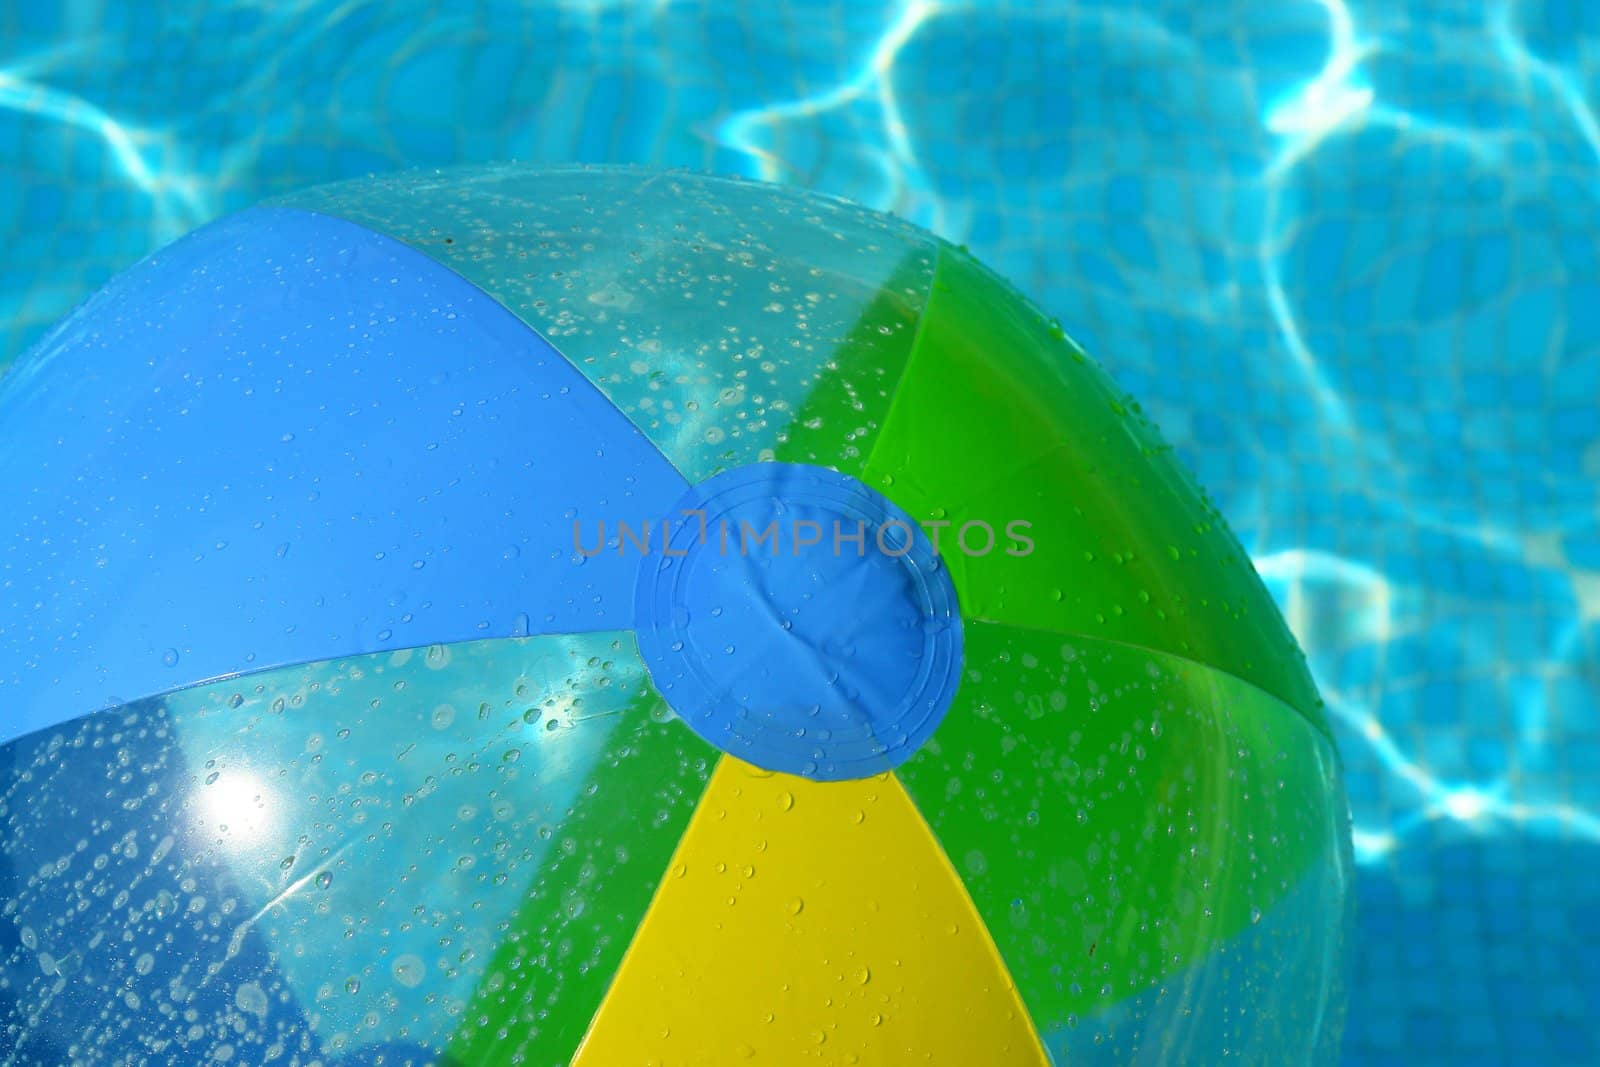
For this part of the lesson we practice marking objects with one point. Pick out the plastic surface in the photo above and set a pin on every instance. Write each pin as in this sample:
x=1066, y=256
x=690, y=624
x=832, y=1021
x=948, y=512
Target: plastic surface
x=1124, y=546
x=810, y=916
x=1113, y=771
x=332, y=859
x=286, y=439
x=800, y=621
x=1159, y=826
x=707, y=310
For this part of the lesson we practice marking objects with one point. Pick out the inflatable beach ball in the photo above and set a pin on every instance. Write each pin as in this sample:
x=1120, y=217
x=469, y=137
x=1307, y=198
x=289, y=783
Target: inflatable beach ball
x=603, y=617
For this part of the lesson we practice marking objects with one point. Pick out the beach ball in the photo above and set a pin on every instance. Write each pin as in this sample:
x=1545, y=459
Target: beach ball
x=612, y=617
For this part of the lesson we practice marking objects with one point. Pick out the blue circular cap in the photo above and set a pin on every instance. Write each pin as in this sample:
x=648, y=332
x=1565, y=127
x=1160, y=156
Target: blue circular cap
x=796, y=619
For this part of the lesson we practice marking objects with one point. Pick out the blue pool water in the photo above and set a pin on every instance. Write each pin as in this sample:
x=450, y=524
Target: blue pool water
x=1344, y=252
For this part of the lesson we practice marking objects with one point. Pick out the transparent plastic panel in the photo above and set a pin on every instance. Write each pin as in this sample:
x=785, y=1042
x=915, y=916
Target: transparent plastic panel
x=1159, y=849
x=707, y=309
x=319, y=863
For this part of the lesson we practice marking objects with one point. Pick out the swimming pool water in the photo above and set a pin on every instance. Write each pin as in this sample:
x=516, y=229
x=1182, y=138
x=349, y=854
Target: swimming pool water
x=1343, y=252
